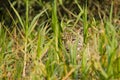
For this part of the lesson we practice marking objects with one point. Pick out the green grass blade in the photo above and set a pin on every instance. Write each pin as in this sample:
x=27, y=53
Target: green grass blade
x=17, y=14
x=41, y=53
x=27, y=19
x=34, y=22
x=55, y=25
x=85, y=23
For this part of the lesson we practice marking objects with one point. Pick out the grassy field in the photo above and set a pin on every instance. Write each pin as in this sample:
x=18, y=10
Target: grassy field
x=59, y=40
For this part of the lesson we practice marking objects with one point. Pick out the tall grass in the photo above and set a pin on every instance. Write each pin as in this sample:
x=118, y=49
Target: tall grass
x=53, y=46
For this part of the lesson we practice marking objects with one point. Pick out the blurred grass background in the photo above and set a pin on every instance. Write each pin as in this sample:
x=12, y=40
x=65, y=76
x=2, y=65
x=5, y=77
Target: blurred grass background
x=59, y=40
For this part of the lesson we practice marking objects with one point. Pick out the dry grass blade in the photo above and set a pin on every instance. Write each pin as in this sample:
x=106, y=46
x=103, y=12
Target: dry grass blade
x=68, y=74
